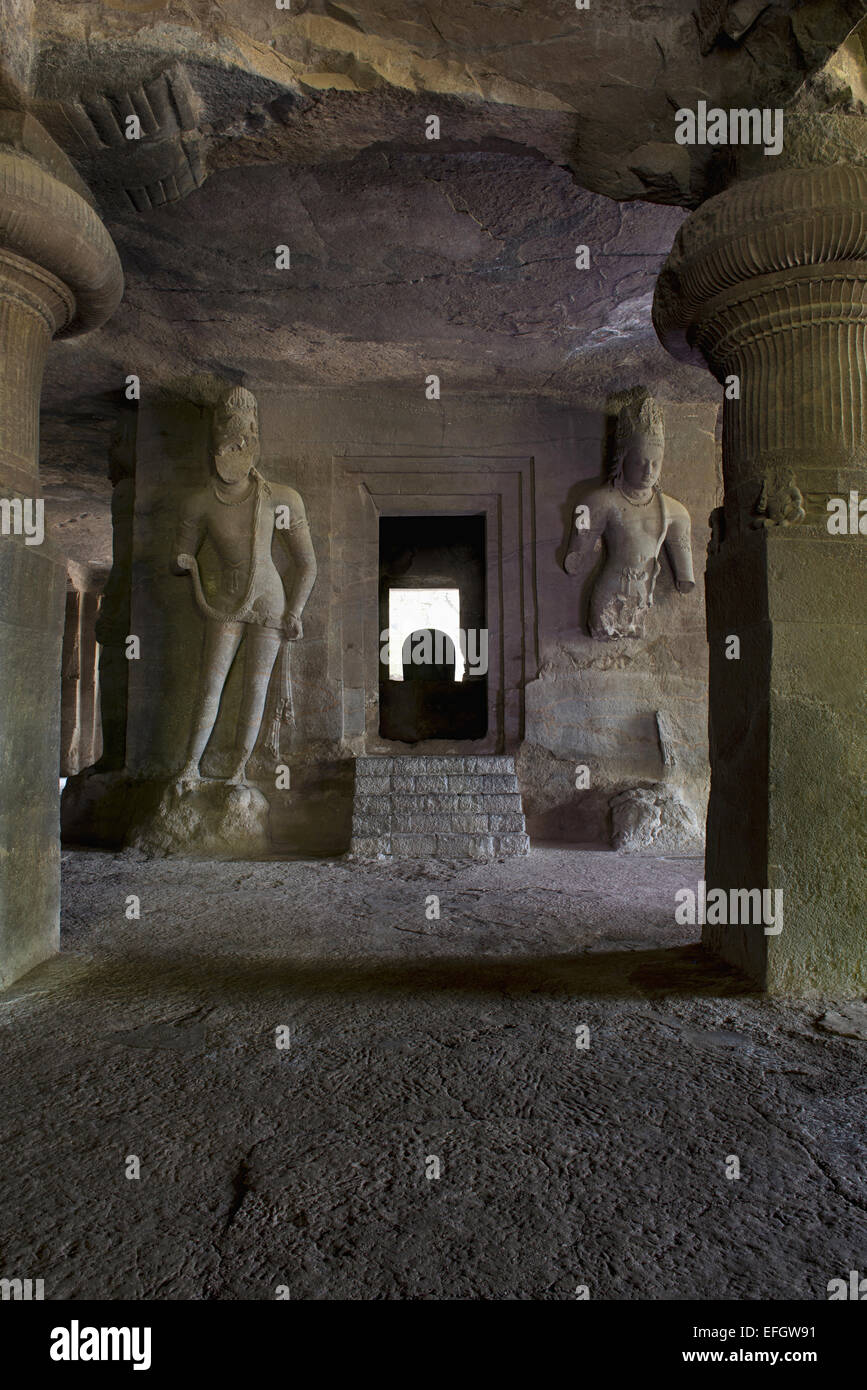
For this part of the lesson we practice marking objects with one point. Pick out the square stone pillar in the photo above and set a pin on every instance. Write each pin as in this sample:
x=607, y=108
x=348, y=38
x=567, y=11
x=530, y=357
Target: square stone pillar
x=70, y=704
x=788, y=753
x=767, y=285
x=80, y=737
x=59, y=274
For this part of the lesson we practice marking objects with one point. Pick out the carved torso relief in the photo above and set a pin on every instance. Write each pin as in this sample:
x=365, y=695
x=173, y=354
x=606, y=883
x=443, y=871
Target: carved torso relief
x=635, y=521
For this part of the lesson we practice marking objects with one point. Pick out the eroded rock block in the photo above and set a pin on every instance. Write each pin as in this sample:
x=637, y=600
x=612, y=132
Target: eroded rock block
x=213, y=818
x=637, y=820
x=657, y=817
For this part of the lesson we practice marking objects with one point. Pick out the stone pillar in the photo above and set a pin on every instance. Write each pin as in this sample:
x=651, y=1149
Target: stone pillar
x=59, y=276
x=70, y=686
x=767, y=283
x=80, y=738
x=88, y=702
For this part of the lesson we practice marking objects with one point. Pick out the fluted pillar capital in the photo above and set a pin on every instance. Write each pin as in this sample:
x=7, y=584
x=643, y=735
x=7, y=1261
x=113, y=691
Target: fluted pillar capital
x=60, y=276
x=48, y=219
x=734, y=258
x=766, y=285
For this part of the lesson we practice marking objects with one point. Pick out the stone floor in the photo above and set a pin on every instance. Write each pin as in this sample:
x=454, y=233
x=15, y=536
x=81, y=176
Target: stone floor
x=412, y=1039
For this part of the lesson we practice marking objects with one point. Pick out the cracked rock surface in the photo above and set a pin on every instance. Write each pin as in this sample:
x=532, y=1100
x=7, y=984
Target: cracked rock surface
x=594, y=88
x=401, y=264
x=307, y=127
x=410, y=1038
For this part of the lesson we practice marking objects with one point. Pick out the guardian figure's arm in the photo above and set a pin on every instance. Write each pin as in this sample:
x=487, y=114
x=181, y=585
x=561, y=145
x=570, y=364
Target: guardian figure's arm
x=678, y=546
x=299, y=546
x=189, y=537
x=588, y=525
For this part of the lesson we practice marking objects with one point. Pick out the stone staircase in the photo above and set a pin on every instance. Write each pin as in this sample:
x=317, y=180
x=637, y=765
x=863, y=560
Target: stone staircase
x=445, y=807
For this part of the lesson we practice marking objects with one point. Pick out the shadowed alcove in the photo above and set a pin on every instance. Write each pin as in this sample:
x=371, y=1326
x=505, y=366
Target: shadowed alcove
x=435, y=685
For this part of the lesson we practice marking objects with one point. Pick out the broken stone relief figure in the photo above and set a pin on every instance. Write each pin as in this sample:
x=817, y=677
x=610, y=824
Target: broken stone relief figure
x=635, y=519
x=239, y=513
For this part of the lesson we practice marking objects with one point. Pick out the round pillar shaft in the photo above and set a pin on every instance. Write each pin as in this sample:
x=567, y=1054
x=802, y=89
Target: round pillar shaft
x=59, y=274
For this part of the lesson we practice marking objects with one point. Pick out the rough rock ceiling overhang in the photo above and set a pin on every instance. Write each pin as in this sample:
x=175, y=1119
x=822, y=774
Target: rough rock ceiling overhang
x=223, y=82
x=306, y=126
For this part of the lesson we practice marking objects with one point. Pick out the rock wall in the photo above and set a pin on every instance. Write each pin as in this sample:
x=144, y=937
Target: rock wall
x=633, y=711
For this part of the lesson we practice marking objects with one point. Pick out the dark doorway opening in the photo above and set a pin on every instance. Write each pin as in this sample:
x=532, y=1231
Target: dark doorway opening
x=433, y=681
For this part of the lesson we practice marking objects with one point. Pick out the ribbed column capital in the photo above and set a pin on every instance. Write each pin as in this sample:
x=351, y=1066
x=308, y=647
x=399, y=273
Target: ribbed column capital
x=766, y=285
x=783, y=232
x=60, y=275
x=45, y=221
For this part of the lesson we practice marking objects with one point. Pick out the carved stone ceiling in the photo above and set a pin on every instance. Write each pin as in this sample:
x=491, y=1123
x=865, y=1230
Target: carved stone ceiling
x=306, y=127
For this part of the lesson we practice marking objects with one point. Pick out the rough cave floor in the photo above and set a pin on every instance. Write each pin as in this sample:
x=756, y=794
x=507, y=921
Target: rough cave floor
x=413, y=1038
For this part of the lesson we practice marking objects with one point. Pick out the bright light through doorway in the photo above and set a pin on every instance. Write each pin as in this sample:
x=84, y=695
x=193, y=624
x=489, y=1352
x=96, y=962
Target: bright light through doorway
x=414, y=610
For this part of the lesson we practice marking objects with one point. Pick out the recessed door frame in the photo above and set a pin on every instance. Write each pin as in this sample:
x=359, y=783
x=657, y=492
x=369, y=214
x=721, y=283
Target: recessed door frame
x=502, y=490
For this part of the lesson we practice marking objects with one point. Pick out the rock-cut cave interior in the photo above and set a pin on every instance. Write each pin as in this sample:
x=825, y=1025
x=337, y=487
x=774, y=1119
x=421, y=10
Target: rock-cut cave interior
x=432, y=598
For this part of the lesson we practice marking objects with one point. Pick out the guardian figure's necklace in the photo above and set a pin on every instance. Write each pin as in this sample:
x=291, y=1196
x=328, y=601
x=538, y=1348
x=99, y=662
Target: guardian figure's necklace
x=627, y=498
x=237, y=501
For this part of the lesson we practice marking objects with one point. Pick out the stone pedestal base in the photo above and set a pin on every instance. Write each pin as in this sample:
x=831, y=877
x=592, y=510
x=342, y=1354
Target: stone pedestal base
x=437, y=807
x=212, y=820
x=637, y=722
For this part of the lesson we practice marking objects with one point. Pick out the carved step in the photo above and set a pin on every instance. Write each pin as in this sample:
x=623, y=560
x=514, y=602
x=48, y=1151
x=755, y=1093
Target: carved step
x=466, y=807
x=457, y=764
